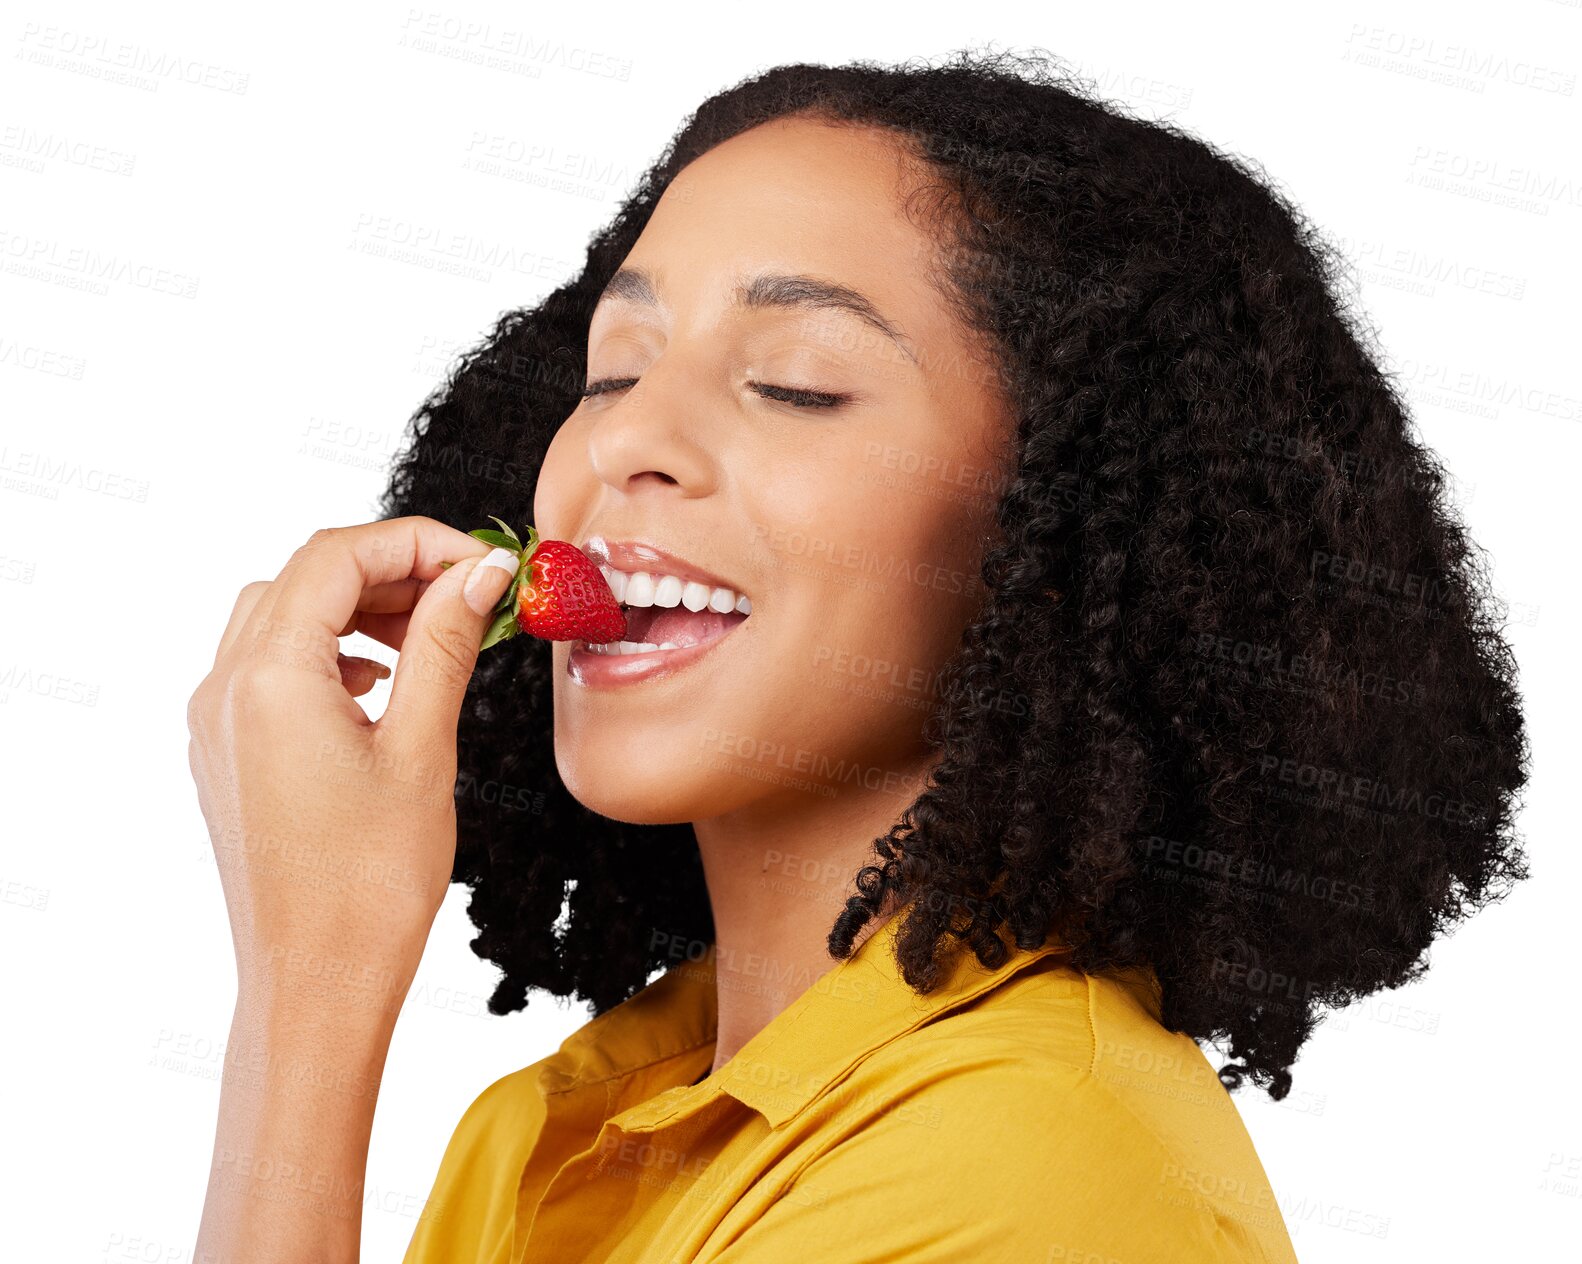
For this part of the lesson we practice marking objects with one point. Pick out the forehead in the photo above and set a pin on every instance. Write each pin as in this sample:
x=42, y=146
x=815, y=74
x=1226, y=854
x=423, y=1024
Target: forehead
x=798, y=196
x=825, y=179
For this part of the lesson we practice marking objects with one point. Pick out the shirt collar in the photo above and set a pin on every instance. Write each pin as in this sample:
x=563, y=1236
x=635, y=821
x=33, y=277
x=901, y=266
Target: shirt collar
x=854, y=1008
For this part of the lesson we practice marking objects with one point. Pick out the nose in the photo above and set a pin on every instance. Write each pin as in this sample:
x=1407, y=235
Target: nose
x=651, y=436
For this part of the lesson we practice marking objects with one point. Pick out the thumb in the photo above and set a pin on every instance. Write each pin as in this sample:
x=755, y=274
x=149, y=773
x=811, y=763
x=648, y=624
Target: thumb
x=440, y=649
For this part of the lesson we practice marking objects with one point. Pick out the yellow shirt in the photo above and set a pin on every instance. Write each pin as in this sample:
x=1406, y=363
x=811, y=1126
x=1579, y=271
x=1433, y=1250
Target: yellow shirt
x=1028, y=1113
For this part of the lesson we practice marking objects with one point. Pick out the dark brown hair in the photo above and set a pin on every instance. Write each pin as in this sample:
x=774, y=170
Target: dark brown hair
x=1265, y=737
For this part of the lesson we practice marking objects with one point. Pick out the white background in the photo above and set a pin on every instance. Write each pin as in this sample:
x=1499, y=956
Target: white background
x=161, y=449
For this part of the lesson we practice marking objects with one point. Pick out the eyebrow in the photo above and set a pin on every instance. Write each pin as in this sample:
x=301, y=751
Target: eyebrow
x=770, y=289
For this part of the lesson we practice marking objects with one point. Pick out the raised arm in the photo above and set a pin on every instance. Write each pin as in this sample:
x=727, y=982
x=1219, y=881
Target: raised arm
x=335, y=838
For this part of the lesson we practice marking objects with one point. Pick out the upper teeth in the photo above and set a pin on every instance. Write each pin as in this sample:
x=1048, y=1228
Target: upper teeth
x=649, y=588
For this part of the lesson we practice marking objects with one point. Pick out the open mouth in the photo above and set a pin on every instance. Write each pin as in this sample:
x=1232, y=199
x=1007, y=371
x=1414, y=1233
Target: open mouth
x=665, y=614
x=653, y=628
x=673, y=622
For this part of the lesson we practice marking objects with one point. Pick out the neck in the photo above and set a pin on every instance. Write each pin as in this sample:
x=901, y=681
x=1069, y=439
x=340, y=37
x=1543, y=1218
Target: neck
x=778, y=875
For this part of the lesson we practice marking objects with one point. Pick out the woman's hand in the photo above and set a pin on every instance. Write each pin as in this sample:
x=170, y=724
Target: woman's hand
x=334, y=836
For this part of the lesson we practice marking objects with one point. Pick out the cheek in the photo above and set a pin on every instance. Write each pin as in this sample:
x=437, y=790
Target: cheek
x=556, y=489
x=922, y=583
x=876, y=576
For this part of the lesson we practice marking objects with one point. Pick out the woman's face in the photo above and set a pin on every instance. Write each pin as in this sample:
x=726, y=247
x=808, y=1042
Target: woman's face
x=855, y=531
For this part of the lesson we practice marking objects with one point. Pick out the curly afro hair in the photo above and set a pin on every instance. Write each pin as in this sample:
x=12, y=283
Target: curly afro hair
x=1267, y=738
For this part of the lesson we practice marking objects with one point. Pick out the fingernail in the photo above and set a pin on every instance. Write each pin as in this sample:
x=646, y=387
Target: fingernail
x=489, y=580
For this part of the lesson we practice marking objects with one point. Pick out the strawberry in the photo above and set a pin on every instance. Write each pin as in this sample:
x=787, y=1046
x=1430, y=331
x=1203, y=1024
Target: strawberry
x=565, y=598
x=557, y=595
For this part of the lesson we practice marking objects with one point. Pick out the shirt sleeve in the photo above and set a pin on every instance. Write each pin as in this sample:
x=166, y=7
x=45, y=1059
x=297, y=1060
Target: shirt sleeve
x=1001, y=1159
x=470, y=1213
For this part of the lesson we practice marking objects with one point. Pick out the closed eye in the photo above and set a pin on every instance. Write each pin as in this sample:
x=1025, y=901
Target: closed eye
x=784, y=394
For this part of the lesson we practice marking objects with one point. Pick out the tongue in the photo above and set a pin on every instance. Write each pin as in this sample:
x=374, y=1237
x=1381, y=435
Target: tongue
x=658, y=624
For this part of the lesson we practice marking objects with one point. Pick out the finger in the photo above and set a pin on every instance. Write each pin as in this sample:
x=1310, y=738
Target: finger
x=387, y=629
x=385, y=610
x=441, y=650
x=318, y=590
x=246, y=601
x=359, y=675
x=397, y=597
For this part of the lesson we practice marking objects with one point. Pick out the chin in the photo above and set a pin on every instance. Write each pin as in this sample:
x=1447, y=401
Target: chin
x=645, y=801
x=620, y=778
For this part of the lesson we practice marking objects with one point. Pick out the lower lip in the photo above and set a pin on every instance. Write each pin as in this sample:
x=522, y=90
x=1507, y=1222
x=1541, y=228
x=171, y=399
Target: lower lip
x=607, y=671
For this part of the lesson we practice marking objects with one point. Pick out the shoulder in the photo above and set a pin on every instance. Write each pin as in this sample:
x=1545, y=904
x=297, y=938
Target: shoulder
x=466, y=1215
x=985, y=1153
x=503, y=1110
x=1002, y=1130
x=1062, y=1044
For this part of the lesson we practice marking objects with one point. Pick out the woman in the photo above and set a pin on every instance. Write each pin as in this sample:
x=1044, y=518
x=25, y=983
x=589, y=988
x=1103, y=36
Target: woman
x=1098, y=670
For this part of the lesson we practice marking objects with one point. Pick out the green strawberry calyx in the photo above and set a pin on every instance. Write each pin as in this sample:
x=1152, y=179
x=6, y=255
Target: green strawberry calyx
x=502, y=623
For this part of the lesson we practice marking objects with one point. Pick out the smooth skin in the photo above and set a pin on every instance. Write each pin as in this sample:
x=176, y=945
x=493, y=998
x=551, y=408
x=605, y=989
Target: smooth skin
x=857, y=531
